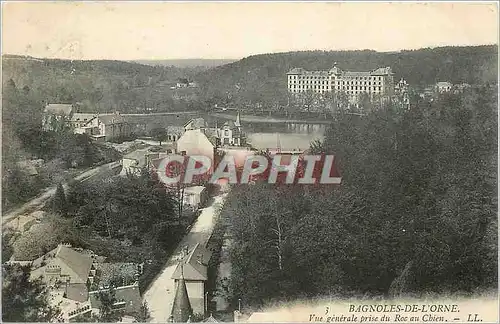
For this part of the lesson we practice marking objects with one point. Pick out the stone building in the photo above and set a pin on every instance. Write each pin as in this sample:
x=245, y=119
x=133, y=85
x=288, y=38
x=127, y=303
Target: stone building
x=376, y=83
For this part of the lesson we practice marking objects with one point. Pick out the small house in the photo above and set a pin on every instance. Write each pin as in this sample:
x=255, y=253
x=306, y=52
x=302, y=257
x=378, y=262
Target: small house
x=195, y=123
x=67, y=269
x=135, y=161
x=442, y=87
x=101, y=127
x=195, y=196
x=231, y=134
x=193, y=270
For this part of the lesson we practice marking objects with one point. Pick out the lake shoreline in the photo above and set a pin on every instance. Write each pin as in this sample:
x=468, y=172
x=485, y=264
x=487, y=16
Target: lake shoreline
x=264, y=119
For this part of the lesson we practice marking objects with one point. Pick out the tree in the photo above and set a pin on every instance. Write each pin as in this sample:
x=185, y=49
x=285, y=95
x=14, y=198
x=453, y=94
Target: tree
x=143, y=315
x=159, y=134
x=59, y=204
x=417, y=184
x=7, y=249
x=136, y=208
x=25, y=300
x=43, y=238
x=107, y=311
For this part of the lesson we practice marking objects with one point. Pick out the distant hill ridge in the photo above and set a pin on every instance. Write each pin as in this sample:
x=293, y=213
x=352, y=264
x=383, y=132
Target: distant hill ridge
x=182, y=63
x=264, y=75
x=121, y=85
x=101, y=85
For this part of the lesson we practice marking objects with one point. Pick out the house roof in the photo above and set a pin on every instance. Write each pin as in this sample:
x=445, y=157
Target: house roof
x=83, y=117
x=196, y=123
x=210, y=319
x=69, y=262
x=191, y=272
x=156, y=162
x=59, y=109
x=129, y=294
x=444, y=84
x=196, y=137
x=141, y=156
x=196, y=190
x=79, y=263
x=194, y=267
x=77, y=291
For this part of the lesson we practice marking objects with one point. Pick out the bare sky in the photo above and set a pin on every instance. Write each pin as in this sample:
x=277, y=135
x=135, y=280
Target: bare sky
x=155, y=30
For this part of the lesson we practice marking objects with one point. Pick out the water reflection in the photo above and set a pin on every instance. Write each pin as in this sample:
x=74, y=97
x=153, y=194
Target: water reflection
x=286, y=141
x=288, y=136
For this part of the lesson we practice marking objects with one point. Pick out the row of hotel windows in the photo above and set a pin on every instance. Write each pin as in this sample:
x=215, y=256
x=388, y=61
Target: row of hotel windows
x=308, y=77
x=343, y=82
x=356, y=88
x=326, y=77
x=349, y=93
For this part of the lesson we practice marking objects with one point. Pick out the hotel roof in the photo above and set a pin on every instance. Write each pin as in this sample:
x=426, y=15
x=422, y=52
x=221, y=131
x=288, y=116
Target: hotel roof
x=336, y=70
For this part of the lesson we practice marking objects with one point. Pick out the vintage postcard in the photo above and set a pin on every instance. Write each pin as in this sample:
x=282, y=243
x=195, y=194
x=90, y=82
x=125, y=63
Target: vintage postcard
x=250, y=162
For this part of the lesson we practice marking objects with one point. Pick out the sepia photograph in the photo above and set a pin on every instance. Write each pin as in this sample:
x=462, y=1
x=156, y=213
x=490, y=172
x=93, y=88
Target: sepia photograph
x=249, y=162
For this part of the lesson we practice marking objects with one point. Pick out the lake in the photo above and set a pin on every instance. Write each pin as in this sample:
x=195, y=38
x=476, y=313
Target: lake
x=290, y=136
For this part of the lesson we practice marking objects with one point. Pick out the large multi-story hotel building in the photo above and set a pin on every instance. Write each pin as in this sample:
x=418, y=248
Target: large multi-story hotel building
x=377, y=83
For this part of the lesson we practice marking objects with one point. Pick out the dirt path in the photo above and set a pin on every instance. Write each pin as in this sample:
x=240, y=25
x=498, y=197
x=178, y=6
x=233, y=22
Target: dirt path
x=40, y=200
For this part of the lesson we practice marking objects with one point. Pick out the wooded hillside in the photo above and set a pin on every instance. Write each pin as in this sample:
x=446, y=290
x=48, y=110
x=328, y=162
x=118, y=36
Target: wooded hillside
x=262, y=77
x=416, y=212
x=100, y=85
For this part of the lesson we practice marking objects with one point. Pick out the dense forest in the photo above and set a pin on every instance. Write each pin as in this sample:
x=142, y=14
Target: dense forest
x=261, y=78
x=188, y=63
x=416, y=212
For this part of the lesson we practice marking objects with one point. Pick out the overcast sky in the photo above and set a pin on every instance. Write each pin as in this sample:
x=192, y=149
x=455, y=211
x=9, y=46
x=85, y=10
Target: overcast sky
x=154, y=30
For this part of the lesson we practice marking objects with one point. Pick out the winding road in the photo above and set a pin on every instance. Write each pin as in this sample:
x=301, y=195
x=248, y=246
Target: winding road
x=40, y=200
